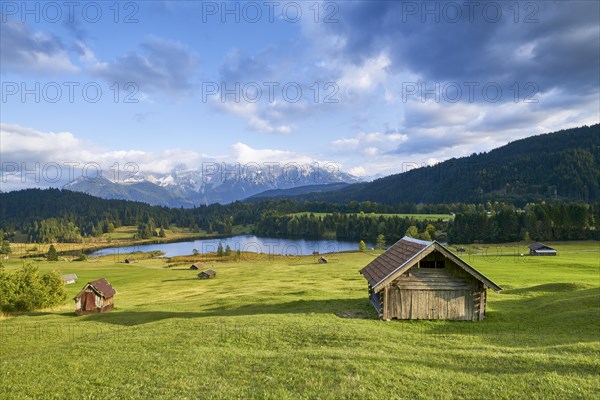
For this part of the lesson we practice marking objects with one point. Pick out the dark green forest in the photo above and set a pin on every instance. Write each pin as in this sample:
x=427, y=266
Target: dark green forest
x=53, y=215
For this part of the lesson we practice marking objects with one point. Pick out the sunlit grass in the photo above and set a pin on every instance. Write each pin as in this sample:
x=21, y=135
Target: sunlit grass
x=282, y=327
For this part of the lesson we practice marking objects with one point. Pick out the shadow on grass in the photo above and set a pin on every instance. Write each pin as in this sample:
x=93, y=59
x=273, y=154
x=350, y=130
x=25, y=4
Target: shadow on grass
x=347, y=308
x=195, y=278
x=547, y=287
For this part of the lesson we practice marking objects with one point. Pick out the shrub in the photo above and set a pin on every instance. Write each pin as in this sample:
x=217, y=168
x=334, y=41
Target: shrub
x=27, y=290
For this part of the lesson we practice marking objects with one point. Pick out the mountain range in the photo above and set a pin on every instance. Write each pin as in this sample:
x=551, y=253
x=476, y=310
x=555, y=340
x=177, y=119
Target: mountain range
x=217, y=183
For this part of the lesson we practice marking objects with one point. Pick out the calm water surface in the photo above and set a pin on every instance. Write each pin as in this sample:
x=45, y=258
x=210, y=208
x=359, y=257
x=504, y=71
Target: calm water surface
x=244, y=243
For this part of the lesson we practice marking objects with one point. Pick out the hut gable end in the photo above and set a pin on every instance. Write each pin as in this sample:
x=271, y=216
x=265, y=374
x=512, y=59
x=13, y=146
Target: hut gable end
x=415, y=279
x=95, y=297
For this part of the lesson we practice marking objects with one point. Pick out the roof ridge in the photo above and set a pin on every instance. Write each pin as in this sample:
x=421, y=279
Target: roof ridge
x=418, y=241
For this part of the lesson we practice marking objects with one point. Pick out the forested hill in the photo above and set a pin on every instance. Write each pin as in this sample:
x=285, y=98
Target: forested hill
x=563, y=165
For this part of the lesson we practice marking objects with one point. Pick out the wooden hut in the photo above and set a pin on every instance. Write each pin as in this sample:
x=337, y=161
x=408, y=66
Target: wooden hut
x=197, y=266
x=540, y=249
x=208, y=274
x=417, y=279
x=323, y=260
x=95, y=297
x=69, y=278
x=130, y=261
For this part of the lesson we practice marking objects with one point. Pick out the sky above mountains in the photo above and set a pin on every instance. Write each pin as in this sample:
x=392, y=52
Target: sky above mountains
x=375, y=87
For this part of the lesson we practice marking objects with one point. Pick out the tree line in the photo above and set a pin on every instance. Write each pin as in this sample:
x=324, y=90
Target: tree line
x=55, y=216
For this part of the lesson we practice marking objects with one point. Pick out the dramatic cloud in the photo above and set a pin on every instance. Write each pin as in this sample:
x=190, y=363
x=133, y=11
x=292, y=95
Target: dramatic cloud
x=554, y=44
x=159, y=65
x=23, y=51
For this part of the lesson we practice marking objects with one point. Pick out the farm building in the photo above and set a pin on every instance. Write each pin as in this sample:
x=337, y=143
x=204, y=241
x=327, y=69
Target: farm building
x=208, y=274
x=95, y=297
x=540, y=249
x=323, y=260
x=130, y=261
x=69, y=278
x=197, y=266
x=417, y=279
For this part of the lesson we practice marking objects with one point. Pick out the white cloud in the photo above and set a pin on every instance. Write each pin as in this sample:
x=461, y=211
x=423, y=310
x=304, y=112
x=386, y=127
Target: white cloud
x=365, y=77
x=29, y=149
x=346, y=144
x=371, y=142
x=358, y=171
x=245, y=154
x=251, y=112
x=371, y=151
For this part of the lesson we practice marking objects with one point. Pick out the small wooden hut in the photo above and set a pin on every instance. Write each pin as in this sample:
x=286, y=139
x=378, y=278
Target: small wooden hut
x=540, y=249
x=197, y=266
x=95, y=297
x=417, y=279
x=130, y=261
x=69, y=279
x=323, y=260
x=208, y=274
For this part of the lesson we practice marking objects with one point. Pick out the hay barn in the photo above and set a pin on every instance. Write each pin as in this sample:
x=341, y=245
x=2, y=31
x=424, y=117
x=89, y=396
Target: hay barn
x=417, y=279
x=69, y=278
x=208, y=274
x=95, y=297
x=540, y=249
x=197, y=266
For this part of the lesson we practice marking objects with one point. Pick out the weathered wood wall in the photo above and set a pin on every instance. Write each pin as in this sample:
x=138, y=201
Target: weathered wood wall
x=447, y=293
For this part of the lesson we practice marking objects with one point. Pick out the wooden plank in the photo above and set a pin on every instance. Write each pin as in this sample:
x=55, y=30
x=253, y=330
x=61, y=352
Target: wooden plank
x=482, y=304
x=469, y=306
x=416, y=286
x=414, y=303
x=406, y=300
x=386, y=302
x=441, y=304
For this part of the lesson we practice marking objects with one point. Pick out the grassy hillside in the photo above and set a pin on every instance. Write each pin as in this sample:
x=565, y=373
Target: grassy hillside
x=283, y=328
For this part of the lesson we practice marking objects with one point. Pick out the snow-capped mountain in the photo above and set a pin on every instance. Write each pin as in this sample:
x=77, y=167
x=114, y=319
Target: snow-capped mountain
x=211, y=183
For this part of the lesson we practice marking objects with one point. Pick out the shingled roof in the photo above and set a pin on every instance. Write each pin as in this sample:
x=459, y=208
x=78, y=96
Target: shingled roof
x=405, y=253
x=537, y=246
x=398, y=254
x=100, y=286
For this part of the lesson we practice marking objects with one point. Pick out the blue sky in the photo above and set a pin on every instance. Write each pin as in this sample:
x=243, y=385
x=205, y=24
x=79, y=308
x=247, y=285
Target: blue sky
x=371, y=86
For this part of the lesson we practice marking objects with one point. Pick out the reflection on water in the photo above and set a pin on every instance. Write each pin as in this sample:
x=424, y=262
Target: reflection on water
x=243, y=243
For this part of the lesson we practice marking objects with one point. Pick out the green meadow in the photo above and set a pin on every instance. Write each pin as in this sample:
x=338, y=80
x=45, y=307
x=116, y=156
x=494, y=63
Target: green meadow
x=274, y=327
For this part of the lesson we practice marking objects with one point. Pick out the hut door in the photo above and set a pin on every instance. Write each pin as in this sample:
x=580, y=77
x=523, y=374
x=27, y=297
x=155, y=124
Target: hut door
x=89, y=300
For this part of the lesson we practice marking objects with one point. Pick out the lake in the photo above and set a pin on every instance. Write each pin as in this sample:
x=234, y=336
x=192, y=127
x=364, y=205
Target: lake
x=244, y=243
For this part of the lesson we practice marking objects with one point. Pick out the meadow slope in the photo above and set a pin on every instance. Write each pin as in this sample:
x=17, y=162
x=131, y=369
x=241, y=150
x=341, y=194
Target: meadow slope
x=289, y=328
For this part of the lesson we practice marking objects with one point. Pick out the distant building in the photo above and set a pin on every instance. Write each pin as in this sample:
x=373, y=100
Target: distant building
x=418, y=279
x=323, y=260
x=130, y=261
x=69, y=278
x=208, y=274
x=197, y=266
x=95, y=297
x=540, y=249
